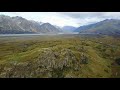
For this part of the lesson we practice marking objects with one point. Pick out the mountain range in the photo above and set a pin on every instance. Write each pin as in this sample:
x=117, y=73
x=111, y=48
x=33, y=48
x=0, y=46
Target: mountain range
x=20, y=25
x=105, y=27
x=17, y=25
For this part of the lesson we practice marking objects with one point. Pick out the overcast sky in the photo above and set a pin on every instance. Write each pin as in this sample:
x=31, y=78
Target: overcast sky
x=66, y=18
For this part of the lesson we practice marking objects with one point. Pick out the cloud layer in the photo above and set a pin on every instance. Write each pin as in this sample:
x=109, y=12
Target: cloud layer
x=66, y=18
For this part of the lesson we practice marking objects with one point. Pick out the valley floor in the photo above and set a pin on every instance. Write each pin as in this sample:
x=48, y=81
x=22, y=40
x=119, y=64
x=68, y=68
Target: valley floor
x=59, y=56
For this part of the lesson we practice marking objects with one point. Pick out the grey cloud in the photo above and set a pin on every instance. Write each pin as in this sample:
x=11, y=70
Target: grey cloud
x=84, y=14
x=84, y=18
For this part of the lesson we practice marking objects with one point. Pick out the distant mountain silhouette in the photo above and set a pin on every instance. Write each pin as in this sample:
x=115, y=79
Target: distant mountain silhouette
x=68, y=28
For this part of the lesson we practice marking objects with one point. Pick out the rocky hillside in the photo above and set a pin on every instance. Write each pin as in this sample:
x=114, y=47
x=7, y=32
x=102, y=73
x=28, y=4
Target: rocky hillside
x=15, y=25
x=48, y=28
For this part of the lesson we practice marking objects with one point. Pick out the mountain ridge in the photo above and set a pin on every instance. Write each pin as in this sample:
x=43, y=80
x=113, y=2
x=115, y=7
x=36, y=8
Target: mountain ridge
x=18, y=25
x=105, y=27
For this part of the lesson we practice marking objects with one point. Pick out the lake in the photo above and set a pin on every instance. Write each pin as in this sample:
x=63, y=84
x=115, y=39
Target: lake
x=34, y=34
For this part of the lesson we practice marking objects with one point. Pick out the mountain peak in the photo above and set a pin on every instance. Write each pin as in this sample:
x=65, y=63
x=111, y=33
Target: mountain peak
x=111, y=20
x=46, y=24
x=18, y=17
x=47, y=27
x=4, y=17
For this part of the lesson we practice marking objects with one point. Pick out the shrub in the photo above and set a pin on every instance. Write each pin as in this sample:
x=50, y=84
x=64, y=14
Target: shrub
x=83, y=59
x=117, y=61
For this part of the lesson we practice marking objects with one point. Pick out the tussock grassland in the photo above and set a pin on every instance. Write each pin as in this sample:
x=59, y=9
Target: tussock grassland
x=59, y=56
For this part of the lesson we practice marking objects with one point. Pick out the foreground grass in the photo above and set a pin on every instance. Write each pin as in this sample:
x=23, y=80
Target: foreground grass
x=62, y=56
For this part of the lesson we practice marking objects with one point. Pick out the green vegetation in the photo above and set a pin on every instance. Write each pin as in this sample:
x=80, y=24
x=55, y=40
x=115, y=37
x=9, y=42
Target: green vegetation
x=59, y=56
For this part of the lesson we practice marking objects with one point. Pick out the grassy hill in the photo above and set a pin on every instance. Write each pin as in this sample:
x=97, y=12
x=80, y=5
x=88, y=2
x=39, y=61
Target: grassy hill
x=59, y=56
